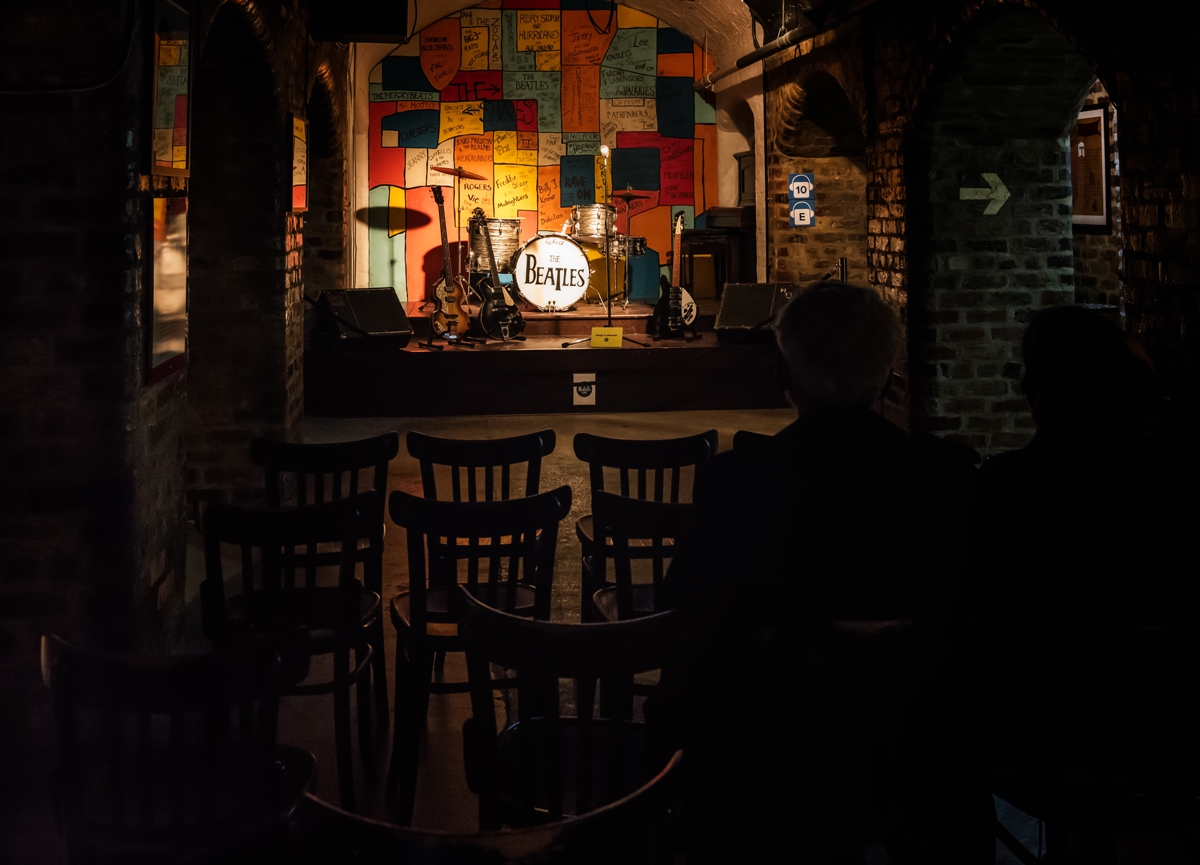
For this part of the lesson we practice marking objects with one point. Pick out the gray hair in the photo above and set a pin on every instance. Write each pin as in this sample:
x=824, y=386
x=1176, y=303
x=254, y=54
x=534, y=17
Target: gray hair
x=839, y=342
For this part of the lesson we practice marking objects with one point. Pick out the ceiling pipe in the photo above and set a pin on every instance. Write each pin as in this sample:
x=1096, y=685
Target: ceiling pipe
x=792, y=37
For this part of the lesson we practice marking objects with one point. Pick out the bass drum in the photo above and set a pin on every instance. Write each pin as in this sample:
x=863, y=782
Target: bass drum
x=550, y=272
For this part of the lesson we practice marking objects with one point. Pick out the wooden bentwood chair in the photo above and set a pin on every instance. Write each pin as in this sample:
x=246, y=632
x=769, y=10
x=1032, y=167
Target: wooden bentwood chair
x=281, y=591
x=636, y=829
x=151, y=761
x=619, y=523
x=504, y=550
x=467, y=459
x=648, y=469
x=547, y=766
x=301, y=470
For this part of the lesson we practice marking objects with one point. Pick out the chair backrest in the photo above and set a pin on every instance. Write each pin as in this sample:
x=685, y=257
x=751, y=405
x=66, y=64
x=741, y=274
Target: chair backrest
x=308, y=465
x=498, y=544
x=624, y=520
x=278, y=550
x=471, y=460
x=541, y=654
x=745, y=438
x=151, y=745
x=645, y=468
x=635, y=829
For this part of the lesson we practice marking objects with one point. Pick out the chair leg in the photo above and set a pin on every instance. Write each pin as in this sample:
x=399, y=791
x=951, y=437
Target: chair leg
x=413, y=677
x=341, y=725
x=362, y=691
x=379, y=676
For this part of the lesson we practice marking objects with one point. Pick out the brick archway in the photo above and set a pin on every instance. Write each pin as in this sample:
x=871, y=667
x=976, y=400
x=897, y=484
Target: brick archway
x=997, y=109
x=244, y=347
x=813, y=128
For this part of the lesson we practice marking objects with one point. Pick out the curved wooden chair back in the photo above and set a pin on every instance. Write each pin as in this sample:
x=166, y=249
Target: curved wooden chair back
x=276, y=550
x=635, y=829
x=645, y=468
x=498, y=543
x=744, y=438
x=656, y=524
x=154, y=751
x=542, y=653
x=309, y=465
x=491, y=459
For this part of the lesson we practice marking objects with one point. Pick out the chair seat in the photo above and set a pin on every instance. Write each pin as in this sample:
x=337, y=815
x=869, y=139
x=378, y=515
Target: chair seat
x=316, y=609
x=246, y=800
x=605, y=601
x=441, y=622
x=635, y=769
x=638, y=547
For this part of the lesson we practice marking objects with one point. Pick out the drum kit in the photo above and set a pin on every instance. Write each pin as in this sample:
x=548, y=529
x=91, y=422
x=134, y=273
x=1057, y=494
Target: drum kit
x=553, y=271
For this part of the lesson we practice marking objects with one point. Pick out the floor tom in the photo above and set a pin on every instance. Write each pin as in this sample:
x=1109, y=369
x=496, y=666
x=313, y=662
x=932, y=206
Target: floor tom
x=551, y=272
x=506, y=237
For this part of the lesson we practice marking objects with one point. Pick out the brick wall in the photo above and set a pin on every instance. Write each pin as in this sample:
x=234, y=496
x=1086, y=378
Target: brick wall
x=1098, y=261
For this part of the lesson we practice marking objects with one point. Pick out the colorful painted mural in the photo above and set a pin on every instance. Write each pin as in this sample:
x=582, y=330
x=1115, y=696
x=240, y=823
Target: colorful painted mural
x=524, y=93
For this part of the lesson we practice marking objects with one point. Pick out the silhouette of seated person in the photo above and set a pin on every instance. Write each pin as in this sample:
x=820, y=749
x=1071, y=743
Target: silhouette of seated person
x=840, y=516
x=1086, y=583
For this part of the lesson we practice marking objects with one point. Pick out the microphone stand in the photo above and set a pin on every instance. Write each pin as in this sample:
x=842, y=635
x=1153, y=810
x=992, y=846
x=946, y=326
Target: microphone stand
x=608, y=265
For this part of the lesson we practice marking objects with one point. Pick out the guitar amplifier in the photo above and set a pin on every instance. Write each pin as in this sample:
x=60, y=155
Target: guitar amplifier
x=748, y=310
x=362, y=319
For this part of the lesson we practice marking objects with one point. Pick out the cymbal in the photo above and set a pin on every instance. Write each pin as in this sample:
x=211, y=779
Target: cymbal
x=627, y=195
x=460, y=173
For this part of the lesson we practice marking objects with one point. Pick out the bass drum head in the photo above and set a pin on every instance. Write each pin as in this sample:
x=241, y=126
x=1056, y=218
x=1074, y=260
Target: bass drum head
x=551, y=272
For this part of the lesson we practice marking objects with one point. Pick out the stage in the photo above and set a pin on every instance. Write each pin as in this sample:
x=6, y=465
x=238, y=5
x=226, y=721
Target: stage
x=537, y=374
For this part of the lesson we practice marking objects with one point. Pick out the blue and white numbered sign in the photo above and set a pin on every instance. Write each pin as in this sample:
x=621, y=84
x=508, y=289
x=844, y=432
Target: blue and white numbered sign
x=800, y=194
x=801, y=214
x=800, y=187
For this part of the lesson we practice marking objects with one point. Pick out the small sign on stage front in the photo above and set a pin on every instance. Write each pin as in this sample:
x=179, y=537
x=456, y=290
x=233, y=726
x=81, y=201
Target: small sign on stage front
x=585, y=388
x=606, y=337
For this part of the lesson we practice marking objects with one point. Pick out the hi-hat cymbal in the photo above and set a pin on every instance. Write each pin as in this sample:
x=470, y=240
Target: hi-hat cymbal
x=627, y=195
x=460, y=173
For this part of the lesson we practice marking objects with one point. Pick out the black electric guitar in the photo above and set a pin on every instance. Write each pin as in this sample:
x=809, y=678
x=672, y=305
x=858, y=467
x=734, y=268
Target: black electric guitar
x=499, y=317
x=449, y=320
x=675, y=311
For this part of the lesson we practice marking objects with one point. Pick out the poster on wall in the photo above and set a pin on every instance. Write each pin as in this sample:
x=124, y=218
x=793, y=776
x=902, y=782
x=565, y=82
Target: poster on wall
x=171, y=57
x=299, y=164
x=524, y=98
x=168, y=292
x=1089, y=169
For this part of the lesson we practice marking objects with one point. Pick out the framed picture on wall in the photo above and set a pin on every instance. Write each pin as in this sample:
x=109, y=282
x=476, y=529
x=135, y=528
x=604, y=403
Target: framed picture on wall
x=171, y=76
x=1089, y=170
x=168, y=287
x=299, y=164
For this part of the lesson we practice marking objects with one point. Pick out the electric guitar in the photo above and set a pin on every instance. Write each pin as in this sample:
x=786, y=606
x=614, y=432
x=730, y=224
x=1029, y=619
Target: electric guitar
x=448, y=320
x=675, y=311
x=499, y=317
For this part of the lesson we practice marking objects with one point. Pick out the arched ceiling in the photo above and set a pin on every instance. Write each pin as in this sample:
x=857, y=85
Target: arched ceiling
x=725, y=23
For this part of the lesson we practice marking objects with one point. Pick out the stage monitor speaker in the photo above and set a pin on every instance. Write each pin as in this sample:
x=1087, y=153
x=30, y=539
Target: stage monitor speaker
x=357, y=21
x=362, y=319
x=748, y=309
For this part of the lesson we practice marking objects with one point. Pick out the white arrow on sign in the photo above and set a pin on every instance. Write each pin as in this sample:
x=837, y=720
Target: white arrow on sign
x=995, y=195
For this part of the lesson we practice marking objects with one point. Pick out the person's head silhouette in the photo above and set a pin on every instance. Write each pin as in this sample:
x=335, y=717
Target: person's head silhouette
x=839, y=343
x=1084, y=378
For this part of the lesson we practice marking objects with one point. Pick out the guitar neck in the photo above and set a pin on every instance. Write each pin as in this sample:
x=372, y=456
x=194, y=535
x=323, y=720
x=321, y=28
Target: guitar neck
x=445, y=243
x=676, y=262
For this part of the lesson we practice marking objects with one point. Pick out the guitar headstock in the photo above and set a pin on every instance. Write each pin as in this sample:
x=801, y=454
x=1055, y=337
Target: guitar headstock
x=679, y=222
x=478, y=213
x=437, y=195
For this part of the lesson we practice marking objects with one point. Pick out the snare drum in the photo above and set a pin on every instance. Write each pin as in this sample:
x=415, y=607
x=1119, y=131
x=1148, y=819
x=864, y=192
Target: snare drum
x=551, y=272
x=506, y=237
x=593, y=220
x=633, y=247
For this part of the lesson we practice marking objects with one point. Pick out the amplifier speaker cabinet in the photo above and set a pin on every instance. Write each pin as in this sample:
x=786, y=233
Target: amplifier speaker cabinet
x=361, y=319
x=748, y=309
